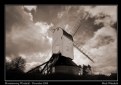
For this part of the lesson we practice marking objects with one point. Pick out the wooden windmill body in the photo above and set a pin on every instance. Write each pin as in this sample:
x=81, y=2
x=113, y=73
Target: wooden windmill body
x=62, y=55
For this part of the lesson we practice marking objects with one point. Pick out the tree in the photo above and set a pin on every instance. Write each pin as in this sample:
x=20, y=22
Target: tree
x=18, y=63
x=15, y=68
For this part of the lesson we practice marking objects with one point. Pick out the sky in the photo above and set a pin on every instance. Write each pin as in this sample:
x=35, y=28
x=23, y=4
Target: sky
x=28, y=33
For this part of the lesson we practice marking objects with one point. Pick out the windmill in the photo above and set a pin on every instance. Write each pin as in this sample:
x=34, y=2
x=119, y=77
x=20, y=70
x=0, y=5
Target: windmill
x=62, y=54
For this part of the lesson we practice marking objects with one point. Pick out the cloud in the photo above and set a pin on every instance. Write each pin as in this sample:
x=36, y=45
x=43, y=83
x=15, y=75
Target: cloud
x=103, y=49
x=24, y=37
x=27, y=41
x=30, y=7
x=71, y=18
x=8, y=59
x=16, y=17
x=107, y=15
x=102, y=44
x=102, y=37
x=68, y=18
x=44, y=27
x=45, y=13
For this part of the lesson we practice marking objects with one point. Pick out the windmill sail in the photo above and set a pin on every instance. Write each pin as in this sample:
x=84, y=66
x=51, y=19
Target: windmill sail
x=83, y=52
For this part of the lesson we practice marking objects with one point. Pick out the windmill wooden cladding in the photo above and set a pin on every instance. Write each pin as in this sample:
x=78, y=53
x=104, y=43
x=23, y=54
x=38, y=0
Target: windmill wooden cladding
x=63, y=43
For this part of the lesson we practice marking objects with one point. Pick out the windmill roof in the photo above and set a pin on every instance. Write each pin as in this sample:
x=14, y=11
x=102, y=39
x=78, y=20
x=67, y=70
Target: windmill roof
x=67, y=35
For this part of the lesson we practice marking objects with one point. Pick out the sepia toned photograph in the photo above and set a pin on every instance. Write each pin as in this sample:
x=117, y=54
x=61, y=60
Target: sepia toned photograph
x=61, y=42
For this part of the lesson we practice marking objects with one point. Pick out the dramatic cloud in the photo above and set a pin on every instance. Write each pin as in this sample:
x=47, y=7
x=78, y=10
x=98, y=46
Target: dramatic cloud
x=69, y=18
x=107, y=15
x=45, y=13
x=23, y=37
x=15, y=15
x=29, y=8
x=103, y=49
x=103, y=45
